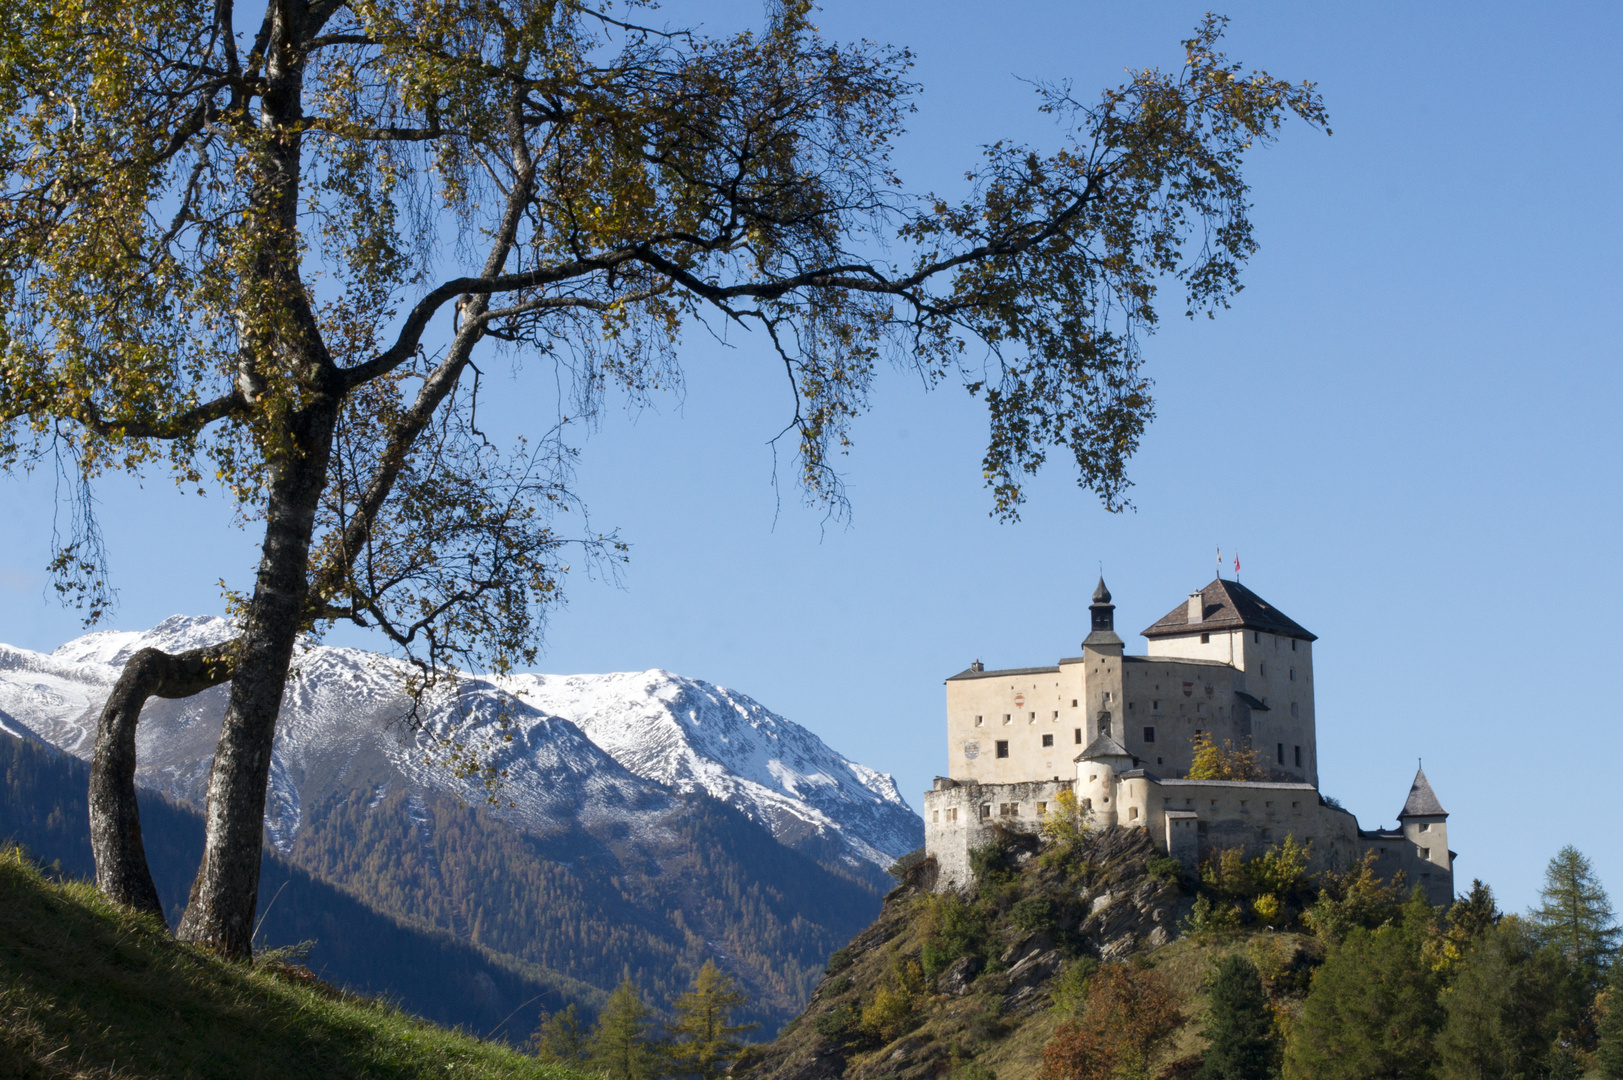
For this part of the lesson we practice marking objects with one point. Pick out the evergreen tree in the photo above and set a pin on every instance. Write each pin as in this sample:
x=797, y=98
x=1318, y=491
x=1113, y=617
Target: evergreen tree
x=619, y=1047
x=1609, y=1052
x=1510, y=999
x=704, y=1042
x=1241, y=1028
x=1575, y=915
x=560, y=1038
x=1373, y=1010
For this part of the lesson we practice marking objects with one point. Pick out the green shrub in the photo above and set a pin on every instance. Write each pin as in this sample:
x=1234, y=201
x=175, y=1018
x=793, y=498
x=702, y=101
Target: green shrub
x=839, y=1023
x=902, y=866
x=1210, y=923
x=1167, y=869
x=1070, y=990
x=1033, y=915
x=990, y=862
x=836, y=986
x=838, y=961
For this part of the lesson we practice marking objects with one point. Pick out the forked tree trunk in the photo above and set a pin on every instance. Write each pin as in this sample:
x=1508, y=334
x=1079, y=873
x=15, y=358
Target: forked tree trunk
x=220, y=911
x=115, y=819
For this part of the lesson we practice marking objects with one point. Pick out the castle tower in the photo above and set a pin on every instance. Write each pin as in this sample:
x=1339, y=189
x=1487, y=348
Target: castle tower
x=1102, y=671
x=1096, y=771
x=1425, y=824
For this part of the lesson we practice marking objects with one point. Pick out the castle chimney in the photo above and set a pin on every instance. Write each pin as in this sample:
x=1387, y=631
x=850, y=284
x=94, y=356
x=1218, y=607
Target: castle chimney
x=977, y=666
x=1197, y=608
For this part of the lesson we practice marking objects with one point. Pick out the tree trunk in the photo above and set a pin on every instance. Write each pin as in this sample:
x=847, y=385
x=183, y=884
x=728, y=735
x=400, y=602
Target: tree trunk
x=220, y=912
x=115, y=819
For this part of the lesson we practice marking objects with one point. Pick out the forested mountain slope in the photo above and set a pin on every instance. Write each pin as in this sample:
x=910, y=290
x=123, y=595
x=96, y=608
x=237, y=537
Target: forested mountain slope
x=581, y=868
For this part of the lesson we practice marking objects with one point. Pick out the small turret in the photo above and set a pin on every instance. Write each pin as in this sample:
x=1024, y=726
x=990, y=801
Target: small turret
x=1104, y=618
x=1425, y=823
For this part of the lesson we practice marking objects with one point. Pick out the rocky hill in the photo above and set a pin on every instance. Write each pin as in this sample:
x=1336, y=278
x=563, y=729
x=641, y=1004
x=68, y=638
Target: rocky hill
x=974, y=984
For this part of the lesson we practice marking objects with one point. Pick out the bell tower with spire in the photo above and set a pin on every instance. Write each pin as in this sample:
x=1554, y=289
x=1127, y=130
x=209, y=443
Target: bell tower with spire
x=1102, y=670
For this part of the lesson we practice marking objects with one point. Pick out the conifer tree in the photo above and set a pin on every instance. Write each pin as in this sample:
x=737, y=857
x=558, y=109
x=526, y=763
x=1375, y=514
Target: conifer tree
x=1241, y=1029
x=619, y=1047
x=1575, y=915
x=704, y=1041
x=1509, y=1000
x=560, y=1038
x=1609, y=1052
x=1373, y=1009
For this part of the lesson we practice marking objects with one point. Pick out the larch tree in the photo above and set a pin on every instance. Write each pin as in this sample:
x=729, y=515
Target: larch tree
x=704, y=1040
x=619, y=1048
x=265, y=257
x=1575, y=915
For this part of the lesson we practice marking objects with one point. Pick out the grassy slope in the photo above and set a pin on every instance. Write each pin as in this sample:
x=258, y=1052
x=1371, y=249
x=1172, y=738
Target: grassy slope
x=87, y=990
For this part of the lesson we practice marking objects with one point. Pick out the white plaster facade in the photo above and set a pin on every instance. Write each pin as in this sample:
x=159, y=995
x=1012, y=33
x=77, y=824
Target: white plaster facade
x=1120, y=731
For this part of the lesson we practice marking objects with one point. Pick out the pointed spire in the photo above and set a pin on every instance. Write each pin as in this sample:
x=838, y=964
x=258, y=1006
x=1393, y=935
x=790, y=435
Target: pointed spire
x=1103, y=629
x=1422, y=801
x=1101, y=595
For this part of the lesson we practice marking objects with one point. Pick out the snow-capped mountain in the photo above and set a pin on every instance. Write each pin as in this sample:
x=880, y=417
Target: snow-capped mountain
x=587, y=749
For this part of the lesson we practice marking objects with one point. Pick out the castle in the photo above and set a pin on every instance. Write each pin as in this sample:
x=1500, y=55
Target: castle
x=1120, y=732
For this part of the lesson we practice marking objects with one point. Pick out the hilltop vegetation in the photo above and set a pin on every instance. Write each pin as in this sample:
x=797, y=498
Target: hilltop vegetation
x=1054, y=966
x=91, y=991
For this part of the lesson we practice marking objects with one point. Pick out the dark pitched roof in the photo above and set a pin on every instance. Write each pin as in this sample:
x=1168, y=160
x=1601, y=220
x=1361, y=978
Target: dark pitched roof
x=1241, y=695
x=971, y=673
x=1103, y=747
x=1422, y=801
x=1228, y=606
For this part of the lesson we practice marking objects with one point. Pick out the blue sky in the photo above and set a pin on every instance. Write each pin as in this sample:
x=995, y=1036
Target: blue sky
x=1407, y=426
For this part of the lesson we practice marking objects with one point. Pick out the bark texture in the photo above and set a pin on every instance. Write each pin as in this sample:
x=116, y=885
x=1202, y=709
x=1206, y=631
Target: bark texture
x=115, y=818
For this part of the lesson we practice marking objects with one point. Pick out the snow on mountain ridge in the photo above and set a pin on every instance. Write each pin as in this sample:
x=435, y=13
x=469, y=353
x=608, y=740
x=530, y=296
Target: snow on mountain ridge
x=592, y=746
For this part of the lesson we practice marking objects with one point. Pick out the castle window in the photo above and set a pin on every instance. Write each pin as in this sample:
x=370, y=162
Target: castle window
x=1293, y=709
x=1009, y=809
x=1042, y=808
x=1296, y=806
x=1214, y=804
x=1200, y=709
x=1293, y=674
x=1056, y=714
x=952, y=813
x=1130, y=705
x=1293, y=644
x=1281, y=756
x=1003, y=748
x=1266, y=833
x=979, y=720
x=1006, y=718
x=1256, y=638
x=1425, y=853
x=1033, y=719
x=1243, y=803
x=1262, y=668
x=1132, y=813
x=935, y=815
x=986, y=811
x=1205, y=639
x=1158, y=761
x=1426, y=827
x=1155, y=706
x=1079, y=736
x=1149, y=734
x=1092, y=778
x=1073, y=703
x=1267, y=806
x=1048, y=740
x=1298, y=757
x=1087, y=804
x=1189, y=802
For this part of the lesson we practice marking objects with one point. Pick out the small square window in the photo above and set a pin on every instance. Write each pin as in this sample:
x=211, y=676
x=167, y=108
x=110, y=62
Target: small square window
x=1132, y=814
x=1425, y=827
x=1003, y=748
x=1056, y=714
x=986, y=811
x=1048, y=740
x=1007, y=718
x=1425, y=853
x=1158, y=761
x=1033, y=719
x=1206, y=639
x=1042, y=808
x=1073, y=703
x=1149, y=734
x=979, y=720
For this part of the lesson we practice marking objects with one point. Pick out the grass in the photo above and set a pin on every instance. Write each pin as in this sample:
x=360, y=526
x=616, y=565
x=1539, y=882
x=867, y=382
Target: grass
x=90, y=990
